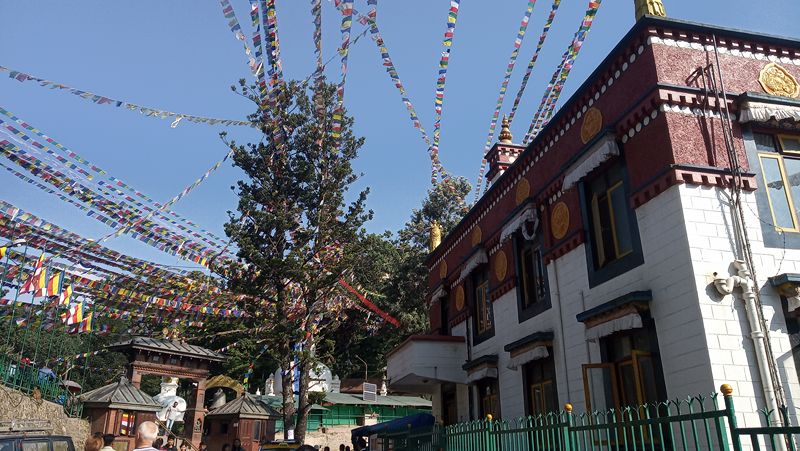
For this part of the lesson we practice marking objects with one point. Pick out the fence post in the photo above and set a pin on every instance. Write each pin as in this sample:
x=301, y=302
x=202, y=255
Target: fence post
x=488, y=443
x=567, y=433
x=730, y=412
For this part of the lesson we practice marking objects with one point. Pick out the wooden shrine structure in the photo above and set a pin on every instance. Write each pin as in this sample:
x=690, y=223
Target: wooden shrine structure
x=172, y=358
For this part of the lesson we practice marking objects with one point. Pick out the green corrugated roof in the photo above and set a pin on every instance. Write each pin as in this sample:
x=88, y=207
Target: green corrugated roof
x=357, y=400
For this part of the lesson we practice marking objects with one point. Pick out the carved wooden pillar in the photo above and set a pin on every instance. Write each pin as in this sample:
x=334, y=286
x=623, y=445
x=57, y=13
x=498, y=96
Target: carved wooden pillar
x=136, y=377
x=195, y=413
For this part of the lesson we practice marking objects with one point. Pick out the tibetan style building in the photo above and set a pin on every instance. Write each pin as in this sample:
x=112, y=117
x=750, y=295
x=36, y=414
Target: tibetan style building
x=644, y=246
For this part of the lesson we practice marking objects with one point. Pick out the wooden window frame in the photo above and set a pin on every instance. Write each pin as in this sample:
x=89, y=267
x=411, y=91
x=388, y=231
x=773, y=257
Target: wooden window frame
x=527, y=310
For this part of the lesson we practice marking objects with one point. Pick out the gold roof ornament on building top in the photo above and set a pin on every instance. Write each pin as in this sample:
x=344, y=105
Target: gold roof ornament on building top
x=436, y=235
x=649, y=7
x=505, y=131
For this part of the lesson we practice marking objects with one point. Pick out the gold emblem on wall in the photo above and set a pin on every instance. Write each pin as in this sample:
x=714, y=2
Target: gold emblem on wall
x=460, y=298
x=592, y=123
x=477, y=236
x=523, y=191
x=559, y=220
x=500, y=266
x=778, y=81
x=443, y=270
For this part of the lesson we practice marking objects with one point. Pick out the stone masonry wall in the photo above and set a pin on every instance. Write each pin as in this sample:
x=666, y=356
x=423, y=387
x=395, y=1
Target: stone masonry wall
x=16, y=405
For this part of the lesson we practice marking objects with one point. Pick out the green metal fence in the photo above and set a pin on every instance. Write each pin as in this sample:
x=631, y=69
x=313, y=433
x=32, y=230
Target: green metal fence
x=697, y=423
x=27, y=378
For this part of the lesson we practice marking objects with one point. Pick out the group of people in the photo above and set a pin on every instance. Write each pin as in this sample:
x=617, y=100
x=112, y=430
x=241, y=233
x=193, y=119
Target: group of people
x=147, y=439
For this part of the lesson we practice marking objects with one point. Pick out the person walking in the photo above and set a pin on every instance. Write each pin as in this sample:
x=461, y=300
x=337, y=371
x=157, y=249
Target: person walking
x=172, y=412
x=146, y=434
x=108, y=441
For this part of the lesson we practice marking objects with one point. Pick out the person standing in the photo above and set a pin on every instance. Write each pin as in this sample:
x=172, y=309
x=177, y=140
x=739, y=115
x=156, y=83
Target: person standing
x=172, y=412
x=146, y=434
x=108, y=441
x=92, y=444
x=237, y=445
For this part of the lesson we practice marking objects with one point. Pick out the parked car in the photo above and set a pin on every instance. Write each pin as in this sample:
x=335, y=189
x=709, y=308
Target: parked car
x=32, y=435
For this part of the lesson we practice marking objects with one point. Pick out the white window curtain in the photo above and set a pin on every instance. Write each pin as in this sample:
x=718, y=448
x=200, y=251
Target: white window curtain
x=594, y=157
x=482, y=373
x=528, y=214
x=535, y=353
x=627, y=322
x=477, y=259
x=763, y=112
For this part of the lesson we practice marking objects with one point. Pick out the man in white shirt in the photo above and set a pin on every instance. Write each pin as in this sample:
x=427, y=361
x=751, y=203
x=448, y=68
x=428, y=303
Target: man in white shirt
x=146, y=434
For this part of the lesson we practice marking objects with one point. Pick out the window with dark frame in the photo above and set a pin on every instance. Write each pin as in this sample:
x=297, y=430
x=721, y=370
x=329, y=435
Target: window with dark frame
x=532, y=289
x=482, y=305
x=540, y=382
x=779, y=157
x=489, y=398
x=609, y=213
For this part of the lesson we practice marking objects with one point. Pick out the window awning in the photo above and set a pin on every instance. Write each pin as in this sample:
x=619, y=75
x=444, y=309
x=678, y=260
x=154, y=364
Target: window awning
x=476, y=259
x=481, y=368
x=751, y=111
x=601, y=151
x=439, y=292
x=526, y=214
x=528, y=349
x=622, y=313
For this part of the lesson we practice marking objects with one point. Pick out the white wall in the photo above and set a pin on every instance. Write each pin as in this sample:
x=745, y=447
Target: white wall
x=703, y=338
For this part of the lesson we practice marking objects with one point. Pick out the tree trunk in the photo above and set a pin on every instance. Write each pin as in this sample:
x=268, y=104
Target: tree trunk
x=302, y=403
x=287, y=390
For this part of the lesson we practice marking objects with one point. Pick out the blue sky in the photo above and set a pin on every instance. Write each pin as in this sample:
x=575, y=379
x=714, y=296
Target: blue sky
x=179, y=55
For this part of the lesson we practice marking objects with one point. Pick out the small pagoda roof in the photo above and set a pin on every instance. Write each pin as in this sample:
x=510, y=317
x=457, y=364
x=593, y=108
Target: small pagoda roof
x=121, y=395
x=246, y=406
x=170, y=347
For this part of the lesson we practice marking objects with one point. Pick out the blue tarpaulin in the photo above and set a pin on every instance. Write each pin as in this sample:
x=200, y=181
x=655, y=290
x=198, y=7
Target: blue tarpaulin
x=401, y=424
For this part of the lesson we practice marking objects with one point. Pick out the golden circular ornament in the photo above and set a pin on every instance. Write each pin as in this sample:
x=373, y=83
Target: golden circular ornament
x=523, y=191
x=460, y=298
x=776, y=80
x=559, y=220
x=592, y=123
x=500, y=265
x=443, y=270
x=477, y=236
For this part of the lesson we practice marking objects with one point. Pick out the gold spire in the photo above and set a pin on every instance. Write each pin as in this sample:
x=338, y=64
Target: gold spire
x=436, y=235
x=649, y=7
x=505, y=132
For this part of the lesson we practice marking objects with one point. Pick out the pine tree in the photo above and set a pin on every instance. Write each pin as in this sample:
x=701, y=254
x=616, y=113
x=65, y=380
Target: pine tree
x=295, y=229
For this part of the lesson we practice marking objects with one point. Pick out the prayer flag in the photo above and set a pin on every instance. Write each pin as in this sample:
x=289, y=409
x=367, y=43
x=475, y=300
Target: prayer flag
x=30, y=284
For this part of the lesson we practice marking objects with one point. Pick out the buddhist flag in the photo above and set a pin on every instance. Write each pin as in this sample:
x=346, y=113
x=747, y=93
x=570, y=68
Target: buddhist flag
x=86, y=323
x=75, y=314
x=66, y=294
x=41, y=284
x=54, y=284
x=30, y=285
x=3, y=251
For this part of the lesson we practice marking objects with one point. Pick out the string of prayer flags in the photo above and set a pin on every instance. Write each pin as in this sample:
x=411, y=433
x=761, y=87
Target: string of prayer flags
x=388, y=64
x=503, y=88
x=274, y=51
x=447, y=42
x=554, y=88
x=346, y=8
x=236, y=29
x=103, y=100
x=369, y=303
x=113, y=183
x=259, y=49
x=548, y=24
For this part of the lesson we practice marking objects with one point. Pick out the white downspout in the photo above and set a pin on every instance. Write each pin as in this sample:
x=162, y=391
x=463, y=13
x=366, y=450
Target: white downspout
x=743, y=280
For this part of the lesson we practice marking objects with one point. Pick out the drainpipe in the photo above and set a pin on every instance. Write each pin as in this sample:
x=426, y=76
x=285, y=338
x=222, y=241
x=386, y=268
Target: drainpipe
x=744, y=281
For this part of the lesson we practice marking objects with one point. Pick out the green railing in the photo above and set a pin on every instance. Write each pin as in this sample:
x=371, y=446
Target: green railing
x=697, y=423
x=27, y=379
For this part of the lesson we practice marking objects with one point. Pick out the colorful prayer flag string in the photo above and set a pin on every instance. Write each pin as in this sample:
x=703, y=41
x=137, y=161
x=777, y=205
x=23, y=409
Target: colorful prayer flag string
x=103, y=100
x=503, y=88
x=346, y=8
x=236, y=29
x=532, y=63
x=556, y=85
x=447, y=42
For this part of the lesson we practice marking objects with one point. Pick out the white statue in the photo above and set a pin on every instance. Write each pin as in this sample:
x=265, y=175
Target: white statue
x=218, y=400
x=269, y=386
x=384, y=388
x=172, y=405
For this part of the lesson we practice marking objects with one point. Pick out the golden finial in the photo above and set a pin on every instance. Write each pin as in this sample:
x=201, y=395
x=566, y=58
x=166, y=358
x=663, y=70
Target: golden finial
x=649, y=7
x=505, y=132
x=489, y=416
x=568, y=407
x=436, y=235
x=726, y=390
